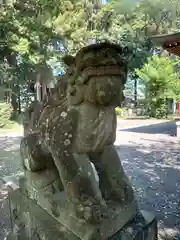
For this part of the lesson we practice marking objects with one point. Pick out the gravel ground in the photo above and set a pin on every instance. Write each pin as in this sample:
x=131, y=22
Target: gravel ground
x=150, y=155
x=10, y=169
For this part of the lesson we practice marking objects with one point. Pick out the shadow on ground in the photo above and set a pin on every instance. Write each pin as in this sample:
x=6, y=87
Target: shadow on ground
x=10, y=163
x=5, y=220
x=153, y=169
x=155, y=176
x=10, y=170
x=168, y=128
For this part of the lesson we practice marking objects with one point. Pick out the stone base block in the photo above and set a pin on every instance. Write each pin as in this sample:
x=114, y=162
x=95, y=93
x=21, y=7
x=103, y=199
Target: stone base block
x=59, y=207
x=31, y=222
x=142, y=227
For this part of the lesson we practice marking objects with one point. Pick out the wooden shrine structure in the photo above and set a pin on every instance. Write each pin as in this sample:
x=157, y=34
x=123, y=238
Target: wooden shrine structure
x=171, y=43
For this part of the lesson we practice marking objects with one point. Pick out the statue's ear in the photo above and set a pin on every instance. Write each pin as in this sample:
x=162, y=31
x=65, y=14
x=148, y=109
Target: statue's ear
x=69, y=60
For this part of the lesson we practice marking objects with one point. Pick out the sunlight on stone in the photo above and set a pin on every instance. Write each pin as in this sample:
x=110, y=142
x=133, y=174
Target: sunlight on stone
x=3, y=192
x=63, y=229
x=9, y=183
x=12, y=181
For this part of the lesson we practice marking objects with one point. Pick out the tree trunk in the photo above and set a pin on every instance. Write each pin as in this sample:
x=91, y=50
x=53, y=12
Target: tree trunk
x=14, y=102
x=11, y=58
x=19, y=102
x=135, y=91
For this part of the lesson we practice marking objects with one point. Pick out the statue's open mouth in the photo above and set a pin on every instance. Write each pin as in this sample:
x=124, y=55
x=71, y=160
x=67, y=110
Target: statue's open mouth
x=104, y=70
x=100, y=84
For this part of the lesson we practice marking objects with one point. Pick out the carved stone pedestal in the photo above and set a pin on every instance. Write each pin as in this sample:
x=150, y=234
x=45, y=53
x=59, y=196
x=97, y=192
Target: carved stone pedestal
x=32, y=222
x=142, y=227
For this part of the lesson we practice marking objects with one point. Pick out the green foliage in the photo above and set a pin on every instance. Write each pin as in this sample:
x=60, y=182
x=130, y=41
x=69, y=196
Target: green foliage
x=5, y=116
x=122, y=112
x=80, y=22
x=30, y=29
x=26, y=39
x=138, y=22
x=119, y=111
x=162, y=83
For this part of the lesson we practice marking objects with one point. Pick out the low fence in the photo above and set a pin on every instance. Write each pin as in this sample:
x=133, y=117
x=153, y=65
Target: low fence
x=123, y=112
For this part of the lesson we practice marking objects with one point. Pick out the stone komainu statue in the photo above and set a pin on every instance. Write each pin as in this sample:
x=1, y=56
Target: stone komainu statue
x=77, y=126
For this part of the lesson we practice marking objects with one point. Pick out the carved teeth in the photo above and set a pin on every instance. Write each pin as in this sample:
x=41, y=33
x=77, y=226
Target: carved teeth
x=103, y=71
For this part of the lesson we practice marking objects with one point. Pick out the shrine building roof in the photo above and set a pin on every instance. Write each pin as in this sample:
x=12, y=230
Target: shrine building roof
x=170, y=42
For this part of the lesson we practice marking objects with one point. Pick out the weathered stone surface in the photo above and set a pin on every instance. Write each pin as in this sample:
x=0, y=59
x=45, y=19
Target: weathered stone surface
x=76, y=126
x=63, y=136
x=143, y=227
x=31, y=222
x=61, y=209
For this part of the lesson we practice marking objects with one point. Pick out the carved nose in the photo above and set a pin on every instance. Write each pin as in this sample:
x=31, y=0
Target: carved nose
x=104, y=95
x=73, y=92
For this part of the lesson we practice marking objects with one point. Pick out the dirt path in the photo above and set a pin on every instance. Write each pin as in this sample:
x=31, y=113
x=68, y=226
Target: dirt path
x=151, y=158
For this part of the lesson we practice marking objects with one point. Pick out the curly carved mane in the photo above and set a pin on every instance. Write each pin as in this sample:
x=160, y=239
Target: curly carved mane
x=84, y=98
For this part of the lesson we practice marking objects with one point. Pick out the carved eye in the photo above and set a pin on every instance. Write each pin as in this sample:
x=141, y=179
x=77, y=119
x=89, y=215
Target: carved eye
x=73, y=92
x=70, y=71
x=80, y=79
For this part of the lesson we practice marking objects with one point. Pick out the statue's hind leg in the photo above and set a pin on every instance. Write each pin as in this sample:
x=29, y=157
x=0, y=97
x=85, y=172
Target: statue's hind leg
x=31, y=154
x=40, y=170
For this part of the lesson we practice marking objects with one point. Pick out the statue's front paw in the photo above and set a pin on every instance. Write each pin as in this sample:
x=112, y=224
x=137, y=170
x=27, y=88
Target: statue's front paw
x=123, y=194
x=93, y=214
